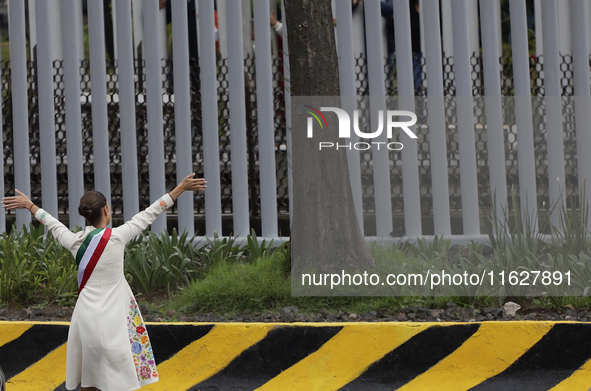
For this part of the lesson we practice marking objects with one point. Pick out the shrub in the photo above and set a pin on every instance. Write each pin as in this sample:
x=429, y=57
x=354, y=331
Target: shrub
x=59, y=273
x=19, y=280
x=160, y=261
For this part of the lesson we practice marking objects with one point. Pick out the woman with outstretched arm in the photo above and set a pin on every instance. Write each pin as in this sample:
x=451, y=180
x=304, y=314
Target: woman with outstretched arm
x=108, y=345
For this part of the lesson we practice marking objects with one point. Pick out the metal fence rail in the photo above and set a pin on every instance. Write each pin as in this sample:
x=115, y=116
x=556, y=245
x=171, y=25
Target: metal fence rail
x=106, y=127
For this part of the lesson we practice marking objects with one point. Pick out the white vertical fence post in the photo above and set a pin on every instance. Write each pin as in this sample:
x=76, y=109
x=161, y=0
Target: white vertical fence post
x=495, y=134
x=523, y=113
x=405, y=79
x=100, y=119
x=138, y=27
x=163, y=38
x=422, y=24
x=437, y=129
x=287, y=92
x=580, y=50
x=32, y=29
x=125, y=73
x=46, y=110
x=446, y=28
x=464, y=101
x=498, y=22
x=115, y=34
x=246, y=27
x=240, y=210
x=73, y=112
x=274, y=48
x=384, y=39
x=553, y=101
x=359, y=29
x=80, y=28
x=222, y=27
x=182, y=111
x=56, y=31
x=349, y=100
x=588, y=22
x=151, y=54
x=20, y=114
x=564, y=27
x=265, y=117
x=539, y=27
x=473, y=27
x=377, y=92
x=209, y=108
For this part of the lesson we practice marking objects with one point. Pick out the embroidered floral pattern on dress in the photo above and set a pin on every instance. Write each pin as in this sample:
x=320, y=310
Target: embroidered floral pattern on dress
x=162, y=204
x=143, y=356
x=145, y=372
x=42, y=217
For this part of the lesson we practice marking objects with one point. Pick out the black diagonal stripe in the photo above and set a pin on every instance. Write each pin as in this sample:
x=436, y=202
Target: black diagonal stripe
x=30, y=347
x=280, y=349
x=412, y=358
x=168, y=340
x=62, y=387
x=554, y=358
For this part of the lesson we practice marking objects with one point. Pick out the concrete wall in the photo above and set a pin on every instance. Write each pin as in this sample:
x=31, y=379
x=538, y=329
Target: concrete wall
x=329, y=356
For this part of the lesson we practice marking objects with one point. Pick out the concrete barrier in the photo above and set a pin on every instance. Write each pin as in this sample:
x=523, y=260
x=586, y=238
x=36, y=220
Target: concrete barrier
x=519, y=355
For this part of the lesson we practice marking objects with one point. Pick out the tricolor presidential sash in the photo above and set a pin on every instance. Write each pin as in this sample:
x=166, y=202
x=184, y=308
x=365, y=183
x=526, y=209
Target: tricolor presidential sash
x=89, y=253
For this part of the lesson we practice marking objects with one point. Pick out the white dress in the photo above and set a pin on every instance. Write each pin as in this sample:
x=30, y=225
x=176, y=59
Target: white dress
x=108, y=345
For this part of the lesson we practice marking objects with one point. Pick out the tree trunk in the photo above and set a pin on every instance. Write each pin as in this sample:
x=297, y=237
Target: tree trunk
x=325, y=234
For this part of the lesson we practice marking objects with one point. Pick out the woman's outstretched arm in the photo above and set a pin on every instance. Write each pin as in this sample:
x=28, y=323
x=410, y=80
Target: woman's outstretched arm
x=59, y=231
x=142, y=220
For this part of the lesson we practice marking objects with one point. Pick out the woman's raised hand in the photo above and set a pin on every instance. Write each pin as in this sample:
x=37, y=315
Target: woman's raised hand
x=189, y=183
x=20, y=201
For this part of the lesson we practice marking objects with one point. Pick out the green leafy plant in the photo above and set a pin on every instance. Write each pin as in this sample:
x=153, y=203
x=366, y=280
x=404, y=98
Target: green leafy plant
x=582, y=272
x=59, y=273
x=428, y=251
x=571, y=235
x=219, y=251
x=19, y=281
x=160, y=261
x=256, y=250
x=147, y=272
x=181, y=264
x=515, y=233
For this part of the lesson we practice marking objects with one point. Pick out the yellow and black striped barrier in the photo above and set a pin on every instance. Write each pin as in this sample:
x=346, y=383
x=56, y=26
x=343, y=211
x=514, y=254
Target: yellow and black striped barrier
x=337, y=356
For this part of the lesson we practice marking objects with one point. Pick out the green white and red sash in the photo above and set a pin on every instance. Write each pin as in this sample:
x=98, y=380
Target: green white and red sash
x=89, y=253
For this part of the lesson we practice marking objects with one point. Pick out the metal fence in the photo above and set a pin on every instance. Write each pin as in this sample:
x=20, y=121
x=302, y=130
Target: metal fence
x=246, y=131
x=280, y=137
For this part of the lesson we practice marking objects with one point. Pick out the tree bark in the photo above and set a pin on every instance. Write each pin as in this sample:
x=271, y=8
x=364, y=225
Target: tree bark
x=325, y=234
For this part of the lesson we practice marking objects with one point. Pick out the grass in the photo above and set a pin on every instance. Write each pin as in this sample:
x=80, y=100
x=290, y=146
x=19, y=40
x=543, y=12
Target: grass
x=263, y=285
x=238, y=286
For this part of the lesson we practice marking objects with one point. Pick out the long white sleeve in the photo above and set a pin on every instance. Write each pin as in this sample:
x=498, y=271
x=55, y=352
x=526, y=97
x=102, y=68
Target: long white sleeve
x=142, y=220
x=59, y=231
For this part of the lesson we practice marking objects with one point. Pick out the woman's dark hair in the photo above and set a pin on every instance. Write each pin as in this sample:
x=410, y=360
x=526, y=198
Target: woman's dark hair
x=91, y=205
